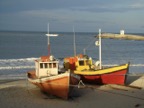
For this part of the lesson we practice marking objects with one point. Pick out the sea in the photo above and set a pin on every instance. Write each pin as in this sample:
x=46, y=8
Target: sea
x=19, y=50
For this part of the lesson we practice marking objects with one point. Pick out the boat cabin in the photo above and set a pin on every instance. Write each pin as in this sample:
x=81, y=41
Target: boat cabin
x=69, y=63
x=46, y=66
x=83, y=64
x=79, y=62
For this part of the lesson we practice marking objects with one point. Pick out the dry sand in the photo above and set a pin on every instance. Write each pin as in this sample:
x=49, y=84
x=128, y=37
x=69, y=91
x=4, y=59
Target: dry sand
x=22, y=94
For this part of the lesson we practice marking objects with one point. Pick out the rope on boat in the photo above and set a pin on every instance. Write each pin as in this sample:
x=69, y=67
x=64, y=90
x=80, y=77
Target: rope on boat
x=81, y=83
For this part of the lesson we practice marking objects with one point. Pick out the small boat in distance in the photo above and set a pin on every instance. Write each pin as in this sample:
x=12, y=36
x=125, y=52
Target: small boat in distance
x=94, y=72
x=52, y=34
x=50, y=78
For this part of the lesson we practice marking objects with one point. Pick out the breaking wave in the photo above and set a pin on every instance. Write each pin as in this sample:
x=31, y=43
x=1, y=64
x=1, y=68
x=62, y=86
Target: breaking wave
x=132, y=65
x=17, y=68
x=17, y=63
x=28, y=63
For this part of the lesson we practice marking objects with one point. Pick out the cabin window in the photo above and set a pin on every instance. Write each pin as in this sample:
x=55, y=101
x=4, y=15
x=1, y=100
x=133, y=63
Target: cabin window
x=87, y=62
x=81, y=63
x=41, y=65
x=54, y=65
x=50, y=65
x=46, y=65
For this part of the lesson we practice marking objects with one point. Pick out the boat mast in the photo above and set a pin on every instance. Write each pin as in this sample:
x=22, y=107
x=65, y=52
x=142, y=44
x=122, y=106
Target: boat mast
x=84, y=51
x=74, y=42
x=48, y=42
x=100, y=57
x=48, y=34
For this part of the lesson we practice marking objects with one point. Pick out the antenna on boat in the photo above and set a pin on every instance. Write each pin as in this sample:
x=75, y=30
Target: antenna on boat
x=74, y=42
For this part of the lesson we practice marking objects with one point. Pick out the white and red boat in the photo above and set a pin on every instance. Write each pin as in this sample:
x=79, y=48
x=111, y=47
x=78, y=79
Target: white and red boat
x=50, y=79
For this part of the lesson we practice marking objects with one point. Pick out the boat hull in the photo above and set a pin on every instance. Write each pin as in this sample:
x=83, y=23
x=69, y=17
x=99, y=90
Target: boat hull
x=112, y=75
x=59, y=85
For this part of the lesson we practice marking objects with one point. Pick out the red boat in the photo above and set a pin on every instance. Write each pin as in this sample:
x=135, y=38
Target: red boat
x=94, y=72
x=110, y=75
x=91, y=73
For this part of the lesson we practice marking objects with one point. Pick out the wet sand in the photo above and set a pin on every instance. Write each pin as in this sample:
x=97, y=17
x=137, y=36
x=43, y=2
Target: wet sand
x=22, y=94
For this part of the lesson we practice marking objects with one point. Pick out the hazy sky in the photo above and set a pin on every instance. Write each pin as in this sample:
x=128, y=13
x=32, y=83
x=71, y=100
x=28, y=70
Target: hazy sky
x=84, y=15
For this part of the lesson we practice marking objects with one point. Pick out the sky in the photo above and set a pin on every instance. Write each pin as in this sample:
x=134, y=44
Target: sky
x=63, y=15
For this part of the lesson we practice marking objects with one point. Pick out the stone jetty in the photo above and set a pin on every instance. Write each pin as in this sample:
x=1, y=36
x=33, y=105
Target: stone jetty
x=122, y=35
x=118, y=36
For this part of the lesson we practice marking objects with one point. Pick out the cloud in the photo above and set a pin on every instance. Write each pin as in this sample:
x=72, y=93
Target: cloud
x=137, y=6
x=142, y=26
x=74, y=5
x=63, y=16
x=111, y=7
x=34, y=14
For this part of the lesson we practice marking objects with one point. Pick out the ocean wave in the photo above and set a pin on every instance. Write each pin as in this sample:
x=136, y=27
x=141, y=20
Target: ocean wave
x=22, y=63
x=16, y=67
x=132, y=65
x=13, y=76
x=137, y=65
x=18, y=60
x=32, y=66
x=28, y=63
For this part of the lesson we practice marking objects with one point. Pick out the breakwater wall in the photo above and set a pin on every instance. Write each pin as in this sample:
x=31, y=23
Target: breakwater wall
x=122, y=36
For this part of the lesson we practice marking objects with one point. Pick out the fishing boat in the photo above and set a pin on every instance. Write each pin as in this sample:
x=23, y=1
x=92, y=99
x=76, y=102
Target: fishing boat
x=50, y=78
x=94, y=72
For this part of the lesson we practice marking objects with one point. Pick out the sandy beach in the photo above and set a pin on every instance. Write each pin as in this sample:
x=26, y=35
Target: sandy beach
x=22, y=94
